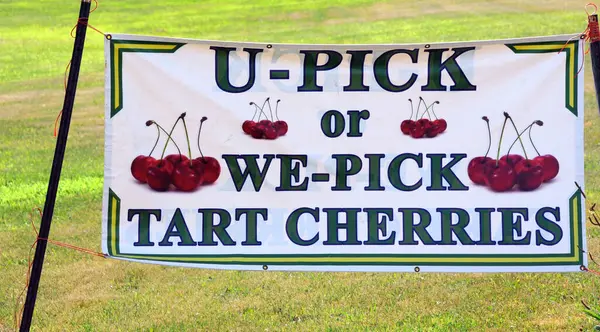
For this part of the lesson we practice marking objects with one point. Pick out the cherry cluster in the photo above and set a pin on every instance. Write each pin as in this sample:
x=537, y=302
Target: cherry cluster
x=265, y=129
x=510, y=170
x=184, y=173
x=423, y=127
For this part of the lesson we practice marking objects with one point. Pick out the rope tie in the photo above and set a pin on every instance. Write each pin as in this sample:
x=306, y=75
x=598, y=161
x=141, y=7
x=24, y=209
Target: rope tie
x=590, y=34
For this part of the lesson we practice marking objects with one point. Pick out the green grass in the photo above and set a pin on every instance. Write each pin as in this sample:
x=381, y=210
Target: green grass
x=81, y=292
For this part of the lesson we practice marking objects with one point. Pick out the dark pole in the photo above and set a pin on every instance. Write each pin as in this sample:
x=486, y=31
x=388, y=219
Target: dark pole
x=595, y=52
x=59, y=154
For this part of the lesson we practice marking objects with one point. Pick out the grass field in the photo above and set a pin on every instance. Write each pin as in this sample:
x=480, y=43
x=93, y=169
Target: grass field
x=81, y=292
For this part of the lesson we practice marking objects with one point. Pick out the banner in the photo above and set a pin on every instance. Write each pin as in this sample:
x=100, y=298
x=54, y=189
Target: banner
x=453, y=157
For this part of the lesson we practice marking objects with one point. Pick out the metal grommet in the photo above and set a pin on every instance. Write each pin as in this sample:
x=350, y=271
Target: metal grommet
x=265, y=267
x=583, y=36
x=583, y=268
x=109, y=37
x=417, y=269
x=269, y=46
x=427, y=46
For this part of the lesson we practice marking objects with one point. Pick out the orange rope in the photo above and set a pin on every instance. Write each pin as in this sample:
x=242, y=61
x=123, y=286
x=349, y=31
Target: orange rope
x=589, y=270
x=84, y=21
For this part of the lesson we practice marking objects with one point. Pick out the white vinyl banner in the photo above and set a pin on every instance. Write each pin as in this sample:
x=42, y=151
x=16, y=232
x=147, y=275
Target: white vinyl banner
x=454, y=157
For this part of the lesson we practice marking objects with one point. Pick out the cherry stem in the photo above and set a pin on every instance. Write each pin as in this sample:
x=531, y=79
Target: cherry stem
x=418, y=107
x=501, y=136
x=261, y=110
x=199, y=131
x=187, y=137
x=518, y=135
x=259, y=114
x=487, y=122
x=435, y=102
x=270, y=109
x=255, y=111
x=170, y=138
x=417, y=115
x=411, y=109
x=149, y=123
x=426, y=109
x=537, y=122
x=276, y=108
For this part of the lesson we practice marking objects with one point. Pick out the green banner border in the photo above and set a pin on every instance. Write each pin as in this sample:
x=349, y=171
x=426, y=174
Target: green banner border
x=117, y=48
x=571, y=49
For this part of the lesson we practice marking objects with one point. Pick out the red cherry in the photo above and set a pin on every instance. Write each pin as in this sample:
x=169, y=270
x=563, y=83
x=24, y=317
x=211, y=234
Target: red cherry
x=185, y=178
x=478, y=168
x=208, y=167
x=159, y=176
x=438, y=122
x=406, y=126
x=501, y=177
x=270, y=132
x=550, y=166
x=432, y=131
x=281, y=127
x=441, y=124
x=512, y=159
x=417, y=131
x=530, y=174
x=425, y=124
x=140, y=165
x=247, y=126
x=432, y=128
x=176, y=159
x=167, y=165
x=266, y=128
x=258, y=131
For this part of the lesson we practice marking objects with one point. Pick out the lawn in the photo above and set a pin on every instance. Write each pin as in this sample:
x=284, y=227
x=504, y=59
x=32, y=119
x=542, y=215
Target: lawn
x=82, y=292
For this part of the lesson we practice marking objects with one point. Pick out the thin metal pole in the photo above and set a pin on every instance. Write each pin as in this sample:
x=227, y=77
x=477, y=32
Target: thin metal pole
x=595, y=54
x=59, y=154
